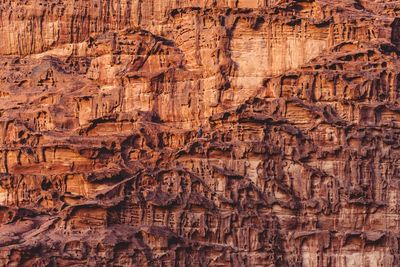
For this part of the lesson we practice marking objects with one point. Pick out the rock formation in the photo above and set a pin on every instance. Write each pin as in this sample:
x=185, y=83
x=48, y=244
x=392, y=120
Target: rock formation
x=199, y=133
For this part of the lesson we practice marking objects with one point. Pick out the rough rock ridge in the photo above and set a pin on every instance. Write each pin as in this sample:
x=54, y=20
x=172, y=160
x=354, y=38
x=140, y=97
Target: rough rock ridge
x=199, y=133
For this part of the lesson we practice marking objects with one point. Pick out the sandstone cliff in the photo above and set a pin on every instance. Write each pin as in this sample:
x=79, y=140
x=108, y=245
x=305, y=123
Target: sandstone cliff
x=199, y=133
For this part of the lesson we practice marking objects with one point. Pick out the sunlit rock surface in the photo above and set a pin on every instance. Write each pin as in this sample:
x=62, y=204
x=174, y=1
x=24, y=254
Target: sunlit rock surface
x=199, y=133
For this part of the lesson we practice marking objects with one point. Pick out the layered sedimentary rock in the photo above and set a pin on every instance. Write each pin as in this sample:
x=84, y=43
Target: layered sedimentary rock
x=199, y=133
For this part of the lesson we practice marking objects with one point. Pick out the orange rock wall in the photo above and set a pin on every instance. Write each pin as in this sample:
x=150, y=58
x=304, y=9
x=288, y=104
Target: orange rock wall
x=199, y=133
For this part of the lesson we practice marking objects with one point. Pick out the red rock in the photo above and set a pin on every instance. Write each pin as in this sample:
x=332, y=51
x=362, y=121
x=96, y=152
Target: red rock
x=199, y=133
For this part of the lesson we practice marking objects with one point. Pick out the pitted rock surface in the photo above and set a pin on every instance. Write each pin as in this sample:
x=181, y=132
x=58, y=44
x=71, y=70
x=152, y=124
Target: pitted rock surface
x=199, y=133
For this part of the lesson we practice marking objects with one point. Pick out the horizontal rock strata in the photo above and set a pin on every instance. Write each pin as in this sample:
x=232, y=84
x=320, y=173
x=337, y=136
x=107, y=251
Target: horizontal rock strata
x=199, y=133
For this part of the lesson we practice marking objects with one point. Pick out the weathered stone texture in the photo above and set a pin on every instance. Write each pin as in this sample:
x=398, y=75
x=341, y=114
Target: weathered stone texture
x=199, y=133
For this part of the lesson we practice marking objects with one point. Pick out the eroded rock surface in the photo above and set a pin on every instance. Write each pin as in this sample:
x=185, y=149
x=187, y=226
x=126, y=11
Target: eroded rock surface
x=199, y=133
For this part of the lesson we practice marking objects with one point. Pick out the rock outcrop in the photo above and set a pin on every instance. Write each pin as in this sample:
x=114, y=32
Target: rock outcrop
x=200, y=133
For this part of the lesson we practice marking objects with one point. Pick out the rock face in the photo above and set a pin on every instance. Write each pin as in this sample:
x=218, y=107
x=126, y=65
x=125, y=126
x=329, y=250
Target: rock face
x=199, y=133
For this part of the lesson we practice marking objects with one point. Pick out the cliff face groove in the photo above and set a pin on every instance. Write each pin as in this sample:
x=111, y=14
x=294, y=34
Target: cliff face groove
x=199, y=133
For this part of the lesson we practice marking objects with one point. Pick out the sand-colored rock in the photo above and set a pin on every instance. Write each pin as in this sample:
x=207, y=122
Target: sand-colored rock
x=199, y=133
